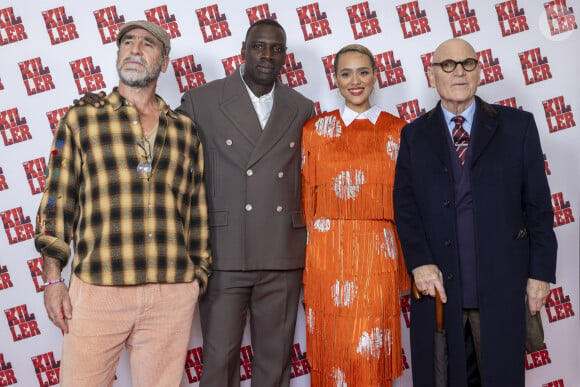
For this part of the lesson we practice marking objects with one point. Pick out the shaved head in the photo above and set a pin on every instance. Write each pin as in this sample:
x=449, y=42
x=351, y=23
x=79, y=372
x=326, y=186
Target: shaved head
x=455, y=88
x=450, y=46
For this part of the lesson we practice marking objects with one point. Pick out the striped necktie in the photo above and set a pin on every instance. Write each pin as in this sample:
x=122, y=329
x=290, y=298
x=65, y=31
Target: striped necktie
x=460, y=138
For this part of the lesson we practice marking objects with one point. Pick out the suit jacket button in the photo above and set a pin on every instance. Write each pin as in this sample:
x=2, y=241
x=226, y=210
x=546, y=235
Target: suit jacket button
x=445, y=170
x=279, y=209
x=280, y=175
x=292, y=144
x=249, y=172
x=446, y=203
x=249, y=207
x=229, y=142
x=450, y=277
x=447, y=243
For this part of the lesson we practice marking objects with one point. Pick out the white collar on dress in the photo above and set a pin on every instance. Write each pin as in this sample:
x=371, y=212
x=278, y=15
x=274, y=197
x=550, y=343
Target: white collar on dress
x=348, y=115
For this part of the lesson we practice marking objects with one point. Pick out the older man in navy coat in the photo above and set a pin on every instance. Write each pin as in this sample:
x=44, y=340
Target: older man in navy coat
x=473, y=213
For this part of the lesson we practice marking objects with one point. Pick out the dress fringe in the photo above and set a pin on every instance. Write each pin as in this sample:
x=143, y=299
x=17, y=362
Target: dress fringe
x=354, y=268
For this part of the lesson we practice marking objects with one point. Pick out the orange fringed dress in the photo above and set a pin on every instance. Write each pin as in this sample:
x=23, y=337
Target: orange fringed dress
x=354, y=268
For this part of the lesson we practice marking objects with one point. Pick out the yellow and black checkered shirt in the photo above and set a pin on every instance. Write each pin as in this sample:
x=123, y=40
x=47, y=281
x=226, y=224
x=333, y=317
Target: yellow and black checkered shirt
x=127, y=227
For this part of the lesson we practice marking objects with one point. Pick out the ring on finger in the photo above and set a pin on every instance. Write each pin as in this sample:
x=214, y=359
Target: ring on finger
x=425, y=292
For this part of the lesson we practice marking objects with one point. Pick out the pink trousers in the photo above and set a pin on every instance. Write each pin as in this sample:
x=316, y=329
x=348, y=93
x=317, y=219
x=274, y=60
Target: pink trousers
x=152, y=321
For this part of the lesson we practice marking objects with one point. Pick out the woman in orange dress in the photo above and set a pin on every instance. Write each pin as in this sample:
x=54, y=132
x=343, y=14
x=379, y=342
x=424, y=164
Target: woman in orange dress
x=354, y=268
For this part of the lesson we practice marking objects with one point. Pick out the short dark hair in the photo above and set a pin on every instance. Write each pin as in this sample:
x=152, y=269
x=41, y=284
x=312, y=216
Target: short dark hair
x=266, y=22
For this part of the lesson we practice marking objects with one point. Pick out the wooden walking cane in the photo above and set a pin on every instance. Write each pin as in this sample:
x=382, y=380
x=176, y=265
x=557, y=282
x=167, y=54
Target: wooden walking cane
x=440, y=352
x=438, y=306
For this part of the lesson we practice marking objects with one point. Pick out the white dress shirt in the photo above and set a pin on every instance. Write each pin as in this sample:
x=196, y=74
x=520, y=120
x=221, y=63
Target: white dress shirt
x=262, y=105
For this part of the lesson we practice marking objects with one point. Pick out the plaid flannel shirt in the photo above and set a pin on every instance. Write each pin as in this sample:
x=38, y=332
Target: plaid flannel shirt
x=127, y=228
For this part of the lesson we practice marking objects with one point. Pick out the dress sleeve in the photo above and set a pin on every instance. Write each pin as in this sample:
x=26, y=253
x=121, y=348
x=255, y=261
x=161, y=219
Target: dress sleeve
x=404, y=279
x=308, y=176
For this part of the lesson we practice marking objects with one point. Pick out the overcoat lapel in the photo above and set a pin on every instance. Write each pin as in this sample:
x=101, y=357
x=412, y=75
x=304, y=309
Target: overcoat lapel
x=436, y=131
x=484, y=127
x=237, y=107
x=284, y=112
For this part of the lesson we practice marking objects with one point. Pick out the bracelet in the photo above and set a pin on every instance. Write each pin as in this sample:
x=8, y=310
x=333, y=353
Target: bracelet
x=61, y=279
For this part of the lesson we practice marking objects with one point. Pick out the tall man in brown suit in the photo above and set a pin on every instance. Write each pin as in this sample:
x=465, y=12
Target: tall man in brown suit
x=250, y=125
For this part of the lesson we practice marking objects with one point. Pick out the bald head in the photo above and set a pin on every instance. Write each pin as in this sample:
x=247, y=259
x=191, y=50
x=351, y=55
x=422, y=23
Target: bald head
x=446, y=49
x=455, y=84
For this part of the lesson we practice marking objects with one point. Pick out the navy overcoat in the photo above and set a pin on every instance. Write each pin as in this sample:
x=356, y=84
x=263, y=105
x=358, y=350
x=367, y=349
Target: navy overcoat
x=510, y=193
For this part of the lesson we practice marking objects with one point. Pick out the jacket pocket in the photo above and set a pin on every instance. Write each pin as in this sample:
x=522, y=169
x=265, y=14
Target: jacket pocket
x=298, y=220
x=218, y=218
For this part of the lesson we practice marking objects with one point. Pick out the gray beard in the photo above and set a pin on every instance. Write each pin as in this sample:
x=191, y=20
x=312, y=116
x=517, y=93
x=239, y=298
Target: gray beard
x=132, y=79
x=138, y=80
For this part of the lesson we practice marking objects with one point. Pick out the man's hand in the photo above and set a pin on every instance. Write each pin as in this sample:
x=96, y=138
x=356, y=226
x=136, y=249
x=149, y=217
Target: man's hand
x=58, y=306
x=537, y=292
x=56, y=298
x=97, y=100
x=427, y=279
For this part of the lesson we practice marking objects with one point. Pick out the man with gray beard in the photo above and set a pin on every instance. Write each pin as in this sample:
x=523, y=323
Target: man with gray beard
x=124, y=185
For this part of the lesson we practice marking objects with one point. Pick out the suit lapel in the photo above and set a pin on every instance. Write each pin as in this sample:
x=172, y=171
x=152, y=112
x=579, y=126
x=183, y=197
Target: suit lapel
x=483, y=130
x=283, y=113
x=237, y=107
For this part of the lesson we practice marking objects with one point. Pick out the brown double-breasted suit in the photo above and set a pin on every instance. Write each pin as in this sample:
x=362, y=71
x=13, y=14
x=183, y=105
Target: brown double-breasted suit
x=257, y=232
